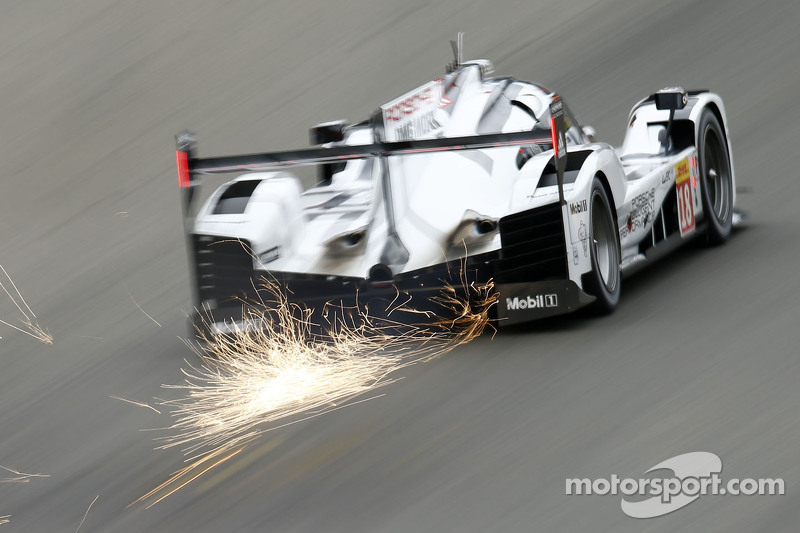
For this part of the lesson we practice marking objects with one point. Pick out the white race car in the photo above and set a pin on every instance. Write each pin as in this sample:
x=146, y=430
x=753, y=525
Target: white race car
x=468, y=177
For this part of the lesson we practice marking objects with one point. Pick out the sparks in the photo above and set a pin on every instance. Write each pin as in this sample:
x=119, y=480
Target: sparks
x=30, y=325
x=271, y=368
x=20, y=477
x=139, y=306
x=86, y=513
x=140, y=404
x=186, y=475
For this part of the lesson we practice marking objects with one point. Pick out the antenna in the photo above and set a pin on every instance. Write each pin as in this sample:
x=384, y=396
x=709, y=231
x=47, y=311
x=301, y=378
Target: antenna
x=458, y=53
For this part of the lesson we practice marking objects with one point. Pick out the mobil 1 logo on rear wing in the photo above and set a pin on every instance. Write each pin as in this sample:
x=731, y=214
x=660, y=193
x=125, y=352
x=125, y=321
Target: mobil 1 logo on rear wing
x=413, y=115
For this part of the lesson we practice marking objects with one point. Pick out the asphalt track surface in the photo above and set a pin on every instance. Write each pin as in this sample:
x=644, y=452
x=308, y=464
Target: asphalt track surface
x=702, y=354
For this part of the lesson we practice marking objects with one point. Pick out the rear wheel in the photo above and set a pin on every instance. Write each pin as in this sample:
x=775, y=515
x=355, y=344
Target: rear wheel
x=603, y=282
x=716, y=184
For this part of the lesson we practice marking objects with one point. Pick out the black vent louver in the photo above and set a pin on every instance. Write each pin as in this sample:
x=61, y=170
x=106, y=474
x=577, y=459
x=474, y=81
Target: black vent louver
x=224, y=269
x=534, y=247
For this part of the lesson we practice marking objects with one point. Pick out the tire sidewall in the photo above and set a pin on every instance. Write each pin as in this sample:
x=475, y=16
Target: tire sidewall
x=607, y=299
x=717, y=231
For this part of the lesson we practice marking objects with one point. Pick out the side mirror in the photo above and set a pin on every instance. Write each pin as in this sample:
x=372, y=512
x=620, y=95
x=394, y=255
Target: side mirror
x=590, y=133
x=671, y=98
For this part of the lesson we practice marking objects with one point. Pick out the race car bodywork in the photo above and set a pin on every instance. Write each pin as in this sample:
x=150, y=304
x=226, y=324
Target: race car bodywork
x=467, y=179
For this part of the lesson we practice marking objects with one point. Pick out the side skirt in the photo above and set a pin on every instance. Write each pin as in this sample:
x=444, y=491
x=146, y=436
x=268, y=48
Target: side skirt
x=660, y=250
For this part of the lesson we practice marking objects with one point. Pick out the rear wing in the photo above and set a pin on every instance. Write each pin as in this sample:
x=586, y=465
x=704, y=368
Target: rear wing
x=190, y=166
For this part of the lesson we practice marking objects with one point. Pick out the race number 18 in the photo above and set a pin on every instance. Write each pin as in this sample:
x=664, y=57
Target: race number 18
x=683, y=186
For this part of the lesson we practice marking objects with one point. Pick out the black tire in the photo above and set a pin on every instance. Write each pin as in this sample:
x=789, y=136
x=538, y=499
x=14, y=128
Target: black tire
x=716, y=184
x=603, y=282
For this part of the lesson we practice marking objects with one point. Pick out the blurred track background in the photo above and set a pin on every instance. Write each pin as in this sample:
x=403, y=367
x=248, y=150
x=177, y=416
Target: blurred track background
x=702, y=353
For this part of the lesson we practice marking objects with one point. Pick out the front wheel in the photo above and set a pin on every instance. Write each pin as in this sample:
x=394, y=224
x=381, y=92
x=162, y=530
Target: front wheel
x=603, y=282
x=716, y=183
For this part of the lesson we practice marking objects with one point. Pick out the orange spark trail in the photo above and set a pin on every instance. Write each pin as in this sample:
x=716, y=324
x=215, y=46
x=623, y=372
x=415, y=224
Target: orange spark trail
x=270, y=368
x=30, y=325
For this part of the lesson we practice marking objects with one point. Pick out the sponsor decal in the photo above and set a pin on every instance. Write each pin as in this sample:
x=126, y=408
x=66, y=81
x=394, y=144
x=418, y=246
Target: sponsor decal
x=416, y=127
x=578, y=207
x=575, y=253
x=583, y=235
x=644, y=202
x=683, y=188
x=642, y=209
x=668, y=176
x=409, y=104
x=540, y=301
x=412, y=115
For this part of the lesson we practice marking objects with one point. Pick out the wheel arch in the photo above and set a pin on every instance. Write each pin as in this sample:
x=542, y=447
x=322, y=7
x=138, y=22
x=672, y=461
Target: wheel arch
x=713, y=102
x=715, y=107
x=606, y=163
